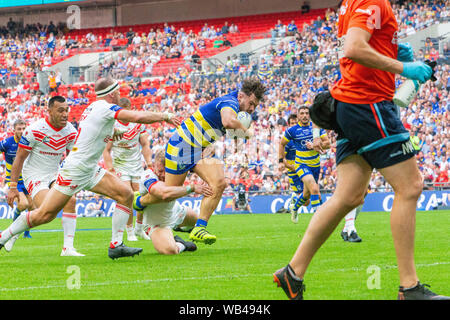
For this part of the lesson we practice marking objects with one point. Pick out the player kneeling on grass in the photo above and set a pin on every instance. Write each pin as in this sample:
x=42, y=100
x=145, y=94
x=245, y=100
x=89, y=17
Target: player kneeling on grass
x=161, y=211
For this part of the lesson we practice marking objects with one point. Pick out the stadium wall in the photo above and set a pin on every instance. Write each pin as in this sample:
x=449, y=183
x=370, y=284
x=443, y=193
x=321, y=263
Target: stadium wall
x=374, y=202
x=188, y=10
x=89, y=17
x=96, y=14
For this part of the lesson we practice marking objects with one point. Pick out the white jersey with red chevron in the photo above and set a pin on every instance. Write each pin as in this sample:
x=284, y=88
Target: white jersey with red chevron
x=126, y=152
x=47, y=146
x=95, y=130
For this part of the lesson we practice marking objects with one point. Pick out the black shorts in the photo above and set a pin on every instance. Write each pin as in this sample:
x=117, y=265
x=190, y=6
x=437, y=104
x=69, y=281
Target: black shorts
x=373, y=131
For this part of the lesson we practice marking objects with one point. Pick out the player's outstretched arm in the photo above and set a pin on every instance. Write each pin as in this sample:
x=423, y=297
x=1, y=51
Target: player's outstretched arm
x=159, y=192
x=16, y=169
x=147, y=117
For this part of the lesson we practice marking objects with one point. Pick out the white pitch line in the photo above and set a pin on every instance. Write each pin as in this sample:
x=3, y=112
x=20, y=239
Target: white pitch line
x=144, y=281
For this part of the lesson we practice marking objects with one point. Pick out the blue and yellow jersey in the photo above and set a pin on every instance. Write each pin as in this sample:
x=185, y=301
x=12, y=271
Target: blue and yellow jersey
x=205, y=125
x=290, y=152
x=9, y=147
x=300, y=135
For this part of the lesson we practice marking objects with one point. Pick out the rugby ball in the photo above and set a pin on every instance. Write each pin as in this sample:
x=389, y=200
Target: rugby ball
x=245, y=119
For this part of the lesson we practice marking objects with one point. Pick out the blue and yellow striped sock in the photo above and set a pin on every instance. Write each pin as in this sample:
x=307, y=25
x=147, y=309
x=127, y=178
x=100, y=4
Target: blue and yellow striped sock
x=300, y=201
x=315, y=201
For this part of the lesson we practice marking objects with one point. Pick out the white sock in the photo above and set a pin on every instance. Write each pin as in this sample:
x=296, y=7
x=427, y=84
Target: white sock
x=129, y=229
x=138, y=226
x=18, y=226
x=69, y=224
x=350, y=221
x=358, y=210
x=119, y=223
x=180, y=246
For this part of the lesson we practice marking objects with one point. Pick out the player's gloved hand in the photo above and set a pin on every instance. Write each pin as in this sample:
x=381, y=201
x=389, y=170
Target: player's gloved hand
x=417, y=70
x=405, y=52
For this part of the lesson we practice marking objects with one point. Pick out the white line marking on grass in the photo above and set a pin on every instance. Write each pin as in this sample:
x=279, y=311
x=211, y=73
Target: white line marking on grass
x=144, y=281
x=109, y=283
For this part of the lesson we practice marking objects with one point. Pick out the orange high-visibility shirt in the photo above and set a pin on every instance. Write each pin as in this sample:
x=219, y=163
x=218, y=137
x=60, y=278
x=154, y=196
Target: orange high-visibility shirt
x=359, y=84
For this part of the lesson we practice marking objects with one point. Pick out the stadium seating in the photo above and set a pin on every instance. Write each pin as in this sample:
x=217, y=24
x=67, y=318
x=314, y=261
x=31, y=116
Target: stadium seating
x=180, y=88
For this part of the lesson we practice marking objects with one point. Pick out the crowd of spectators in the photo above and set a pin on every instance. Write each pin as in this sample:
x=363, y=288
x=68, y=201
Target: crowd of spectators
x=302, y=62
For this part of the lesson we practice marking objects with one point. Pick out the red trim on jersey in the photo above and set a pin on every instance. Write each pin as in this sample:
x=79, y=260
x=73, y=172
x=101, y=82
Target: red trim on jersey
x=51, y=126
x=150, y=186
x=78, y=134
x=117, y=113
x=25, y=147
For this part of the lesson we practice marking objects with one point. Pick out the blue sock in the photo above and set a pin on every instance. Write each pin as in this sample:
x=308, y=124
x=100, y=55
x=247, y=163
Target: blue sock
x=315, y=201
x=201, y=223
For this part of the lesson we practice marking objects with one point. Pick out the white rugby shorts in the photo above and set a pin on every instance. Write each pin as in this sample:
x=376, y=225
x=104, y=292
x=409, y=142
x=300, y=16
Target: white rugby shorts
x=179, y=213
x=71, y=181
x=129, y=175
x=37, y=183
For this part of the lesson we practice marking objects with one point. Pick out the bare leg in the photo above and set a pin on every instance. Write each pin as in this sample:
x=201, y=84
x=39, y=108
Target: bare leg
x=111, y=186
x=163, y=241
x=406, y=181
x=175, y=179
x=51, y=205
x=353, y=178
x=211, y=171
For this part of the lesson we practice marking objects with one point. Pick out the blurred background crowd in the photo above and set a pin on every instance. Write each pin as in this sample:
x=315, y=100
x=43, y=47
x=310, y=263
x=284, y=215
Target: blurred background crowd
x=300, y=62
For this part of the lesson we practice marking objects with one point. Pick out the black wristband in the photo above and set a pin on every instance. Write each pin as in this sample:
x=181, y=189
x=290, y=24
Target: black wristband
x=280, y=160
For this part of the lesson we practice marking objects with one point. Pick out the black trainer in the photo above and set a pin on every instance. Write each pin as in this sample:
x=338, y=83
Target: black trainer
x=353, y=237
x=183, y=229
x=419, y=292
x=293, y=288
x=344, y=235
x=123, y=251
x=190, y=246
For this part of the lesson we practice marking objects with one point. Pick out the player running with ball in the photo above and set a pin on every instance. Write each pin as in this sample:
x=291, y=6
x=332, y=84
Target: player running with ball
x=81, y=169
x=185, y=148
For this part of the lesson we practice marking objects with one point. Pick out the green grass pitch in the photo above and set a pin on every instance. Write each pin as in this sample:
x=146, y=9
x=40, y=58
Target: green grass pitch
x=238, y=266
